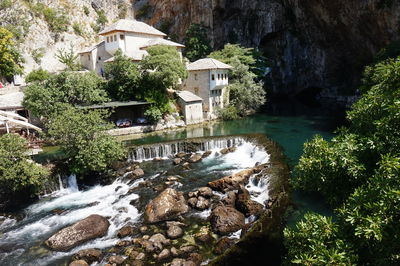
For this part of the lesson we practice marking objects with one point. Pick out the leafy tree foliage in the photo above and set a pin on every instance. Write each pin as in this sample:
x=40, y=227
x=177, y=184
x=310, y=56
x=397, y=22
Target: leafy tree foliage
x=37, y=75
x=17, y=173
x=10, y=58
x=359, y=172
x=196, y=42
x=62, y=90
x=316, y=241
x=82, y=137
x=123, y=78
x=245, y=94
x=68, y=58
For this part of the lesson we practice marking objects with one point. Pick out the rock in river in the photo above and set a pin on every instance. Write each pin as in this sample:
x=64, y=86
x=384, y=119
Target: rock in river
x=232, y=182
x=89, y=255
x=226, y=219
x=89, y=228
x=166, y=206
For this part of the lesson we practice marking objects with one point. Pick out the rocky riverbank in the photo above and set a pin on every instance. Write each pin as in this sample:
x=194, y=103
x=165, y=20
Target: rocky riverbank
x=183, y=210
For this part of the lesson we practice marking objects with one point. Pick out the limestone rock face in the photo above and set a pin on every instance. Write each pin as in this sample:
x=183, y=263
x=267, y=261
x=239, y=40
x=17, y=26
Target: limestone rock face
x=89, y=228
x=166, y=206
x=226, y=219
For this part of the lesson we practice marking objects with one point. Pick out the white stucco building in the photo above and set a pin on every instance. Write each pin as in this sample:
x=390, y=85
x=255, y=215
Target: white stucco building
x=208, y=79
x=192, y=107
x=131, y=36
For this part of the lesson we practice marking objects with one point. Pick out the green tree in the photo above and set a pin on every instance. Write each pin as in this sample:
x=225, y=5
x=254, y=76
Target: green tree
x=68, y=58
x=37, y=75
x=245, y=94
x=62, y=90
x=17, y=173
x=197, y=44
x=358, y=171
x=82, y=137
x=316, y=241
x=123, y=78
x=10, y=58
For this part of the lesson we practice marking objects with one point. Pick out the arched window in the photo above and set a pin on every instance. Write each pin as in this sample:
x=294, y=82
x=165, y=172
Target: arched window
x=219, y=76
x=213, y=77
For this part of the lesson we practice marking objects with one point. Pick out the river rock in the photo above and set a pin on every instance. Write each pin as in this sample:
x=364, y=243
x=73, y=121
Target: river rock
x=180, y=155
x=230, y=199
x=204, y=235
x=79, y=263
x=202, y=203
x=87, y=229
x=246, y=205
x=116, y=260
x=232, y=182
x=166, y=206
x=206, y=154
x=225, y=220
x=158, y=240
x=174, y=232
x=177, y=161
x=196, y=258
x=89, y=255
x=125, y=231
x=205, y=192
x=164, y=255
x=224, y=151
x=192, y=202
x=222, y=245
x=195, y=158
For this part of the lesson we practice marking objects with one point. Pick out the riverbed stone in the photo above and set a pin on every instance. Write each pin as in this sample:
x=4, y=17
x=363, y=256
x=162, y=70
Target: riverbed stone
x=180, y=155
x=125, y=231
x=89, y=255
x=164, y=255
x=87, y=229
x=196, y=258
x=166, y=206
x=206, y=154
x=177, y=161
x=229, y=199
x=246, y=205
x=174, y=232
x=205, y=192
x=222, y=245
x=79, y=263
x=159, y=240
x=116, y=260
x=232, y=182
x=225, y=219
x=192, y=202
x=195, y=158
x=202, y=203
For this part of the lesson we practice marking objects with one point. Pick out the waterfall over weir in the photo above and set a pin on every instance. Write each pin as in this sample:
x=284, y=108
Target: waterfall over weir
x=168, y=149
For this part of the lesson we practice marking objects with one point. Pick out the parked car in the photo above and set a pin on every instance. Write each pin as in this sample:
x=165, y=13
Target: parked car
x=141, y=120
x=124, y=122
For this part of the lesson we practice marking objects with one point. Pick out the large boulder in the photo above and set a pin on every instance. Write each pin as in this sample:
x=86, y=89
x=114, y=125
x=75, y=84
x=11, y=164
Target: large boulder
x=232, y=182
x=222, y=245
x=195, y=158
x=226, y=219
x=87, y=229
x=166, y=206
x=246, y=205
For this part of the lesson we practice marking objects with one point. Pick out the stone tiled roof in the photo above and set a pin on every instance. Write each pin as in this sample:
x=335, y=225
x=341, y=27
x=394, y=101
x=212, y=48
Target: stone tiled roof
x=160, y=41
x=188, y=97
x=207, y=63
x=91, y=48
x=128, y=25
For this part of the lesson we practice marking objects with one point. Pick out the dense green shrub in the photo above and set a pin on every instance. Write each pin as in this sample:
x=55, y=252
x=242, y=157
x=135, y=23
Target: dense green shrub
x=197, y=44
x=86, y=10
x=62, y=90
x=81, y=136
x=153, y=114
x=57, y=20
x=228, y=113
x=68, y=58
x=37, y=75
x=77, y=27
x=17, y=173
x=10, y=59
x=37, y=55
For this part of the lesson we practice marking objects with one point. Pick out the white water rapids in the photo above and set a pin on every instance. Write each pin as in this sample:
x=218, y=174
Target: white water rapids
x=21, y=242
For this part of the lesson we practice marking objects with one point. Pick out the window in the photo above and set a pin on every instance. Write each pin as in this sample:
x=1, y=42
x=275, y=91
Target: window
x=213, y=77
x=121, y=36
x=115, y=38
x=195, y=76
x=219, y=76
x=88, y=57
x=226, y=76
x=99, y=58
x=108, y=39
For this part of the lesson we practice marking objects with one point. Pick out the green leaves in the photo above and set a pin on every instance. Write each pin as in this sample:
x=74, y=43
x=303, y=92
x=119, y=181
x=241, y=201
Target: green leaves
x=10, y=58
x=82, y=137
x=197, y=44
x=17, y=173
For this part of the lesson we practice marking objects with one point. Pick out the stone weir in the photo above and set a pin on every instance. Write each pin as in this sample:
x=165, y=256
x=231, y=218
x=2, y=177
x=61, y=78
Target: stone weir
x=170, y=148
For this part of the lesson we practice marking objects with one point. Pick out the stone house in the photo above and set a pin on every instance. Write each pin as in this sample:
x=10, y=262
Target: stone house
x=131, y=36
x=192, y=107
x=208, y=79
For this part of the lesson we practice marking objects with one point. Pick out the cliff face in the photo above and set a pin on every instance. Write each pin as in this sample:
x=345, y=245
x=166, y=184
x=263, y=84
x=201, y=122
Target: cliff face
x=314, y=44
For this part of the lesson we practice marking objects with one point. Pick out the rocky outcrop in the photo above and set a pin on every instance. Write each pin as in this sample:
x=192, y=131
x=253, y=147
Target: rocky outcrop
x=232, y=182
x=312, y=44
x=246, y=205
x=225, y=220
x=166, y=206
x=89, y=228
